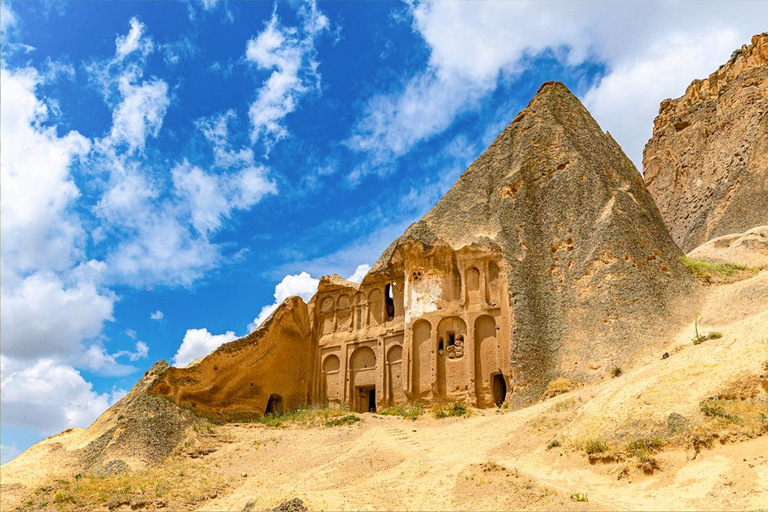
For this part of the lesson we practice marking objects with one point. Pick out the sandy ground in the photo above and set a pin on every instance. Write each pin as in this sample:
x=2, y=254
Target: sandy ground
x=499, y=459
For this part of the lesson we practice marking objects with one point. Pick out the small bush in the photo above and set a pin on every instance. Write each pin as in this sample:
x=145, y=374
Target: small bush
x=558, y=387
x=616, y=372
x=579, y=496
x=595, y=446
x=715, y=272
x=348, y=419
x=411, y=410
x=553, y=444
x=714, y=409
x=642, y=448
x=447, y=411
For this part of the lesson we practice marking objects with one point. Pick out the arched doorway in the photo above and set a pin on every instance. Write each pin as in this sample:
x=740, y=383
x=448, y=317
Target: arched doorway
x=422, y=359
x=332, y=385
x=363, y=367
x=394, y=376
x=485, y=358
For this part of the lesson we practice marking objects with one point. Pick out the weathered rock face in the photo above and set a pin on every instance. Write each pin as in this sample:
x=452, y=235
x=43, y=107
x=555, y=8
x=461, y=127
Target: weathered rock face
x=140, y=428
x=267, y=371
x=588, y=268
x=547, y=258
x=707, y=162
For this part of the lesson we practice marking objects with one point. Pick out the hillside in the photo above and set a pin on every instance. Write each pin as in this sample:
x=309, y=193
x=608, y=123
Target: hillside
x=703, y=449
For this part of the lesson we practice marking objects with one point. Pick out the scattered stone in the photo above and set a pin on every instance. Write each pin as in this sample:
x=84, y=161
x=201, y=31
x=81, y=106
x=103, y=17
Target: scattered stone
x=294, y=505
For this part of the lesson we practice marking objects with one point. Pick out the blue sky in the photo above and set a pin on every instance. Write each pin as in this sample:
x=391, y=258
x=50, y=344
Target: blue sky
x=171, y=170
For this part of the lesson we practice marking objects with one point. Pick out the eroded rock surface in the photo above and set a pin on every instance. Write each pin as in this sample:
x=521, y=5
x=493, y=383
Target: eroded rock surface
x=547, y=259
x=585, y=266
x=707, y=162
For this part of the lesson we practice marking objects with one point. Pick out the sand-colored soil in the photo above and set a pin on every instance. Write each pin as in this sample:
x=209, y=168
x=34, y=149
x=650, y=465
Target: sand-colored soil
x=494, y=459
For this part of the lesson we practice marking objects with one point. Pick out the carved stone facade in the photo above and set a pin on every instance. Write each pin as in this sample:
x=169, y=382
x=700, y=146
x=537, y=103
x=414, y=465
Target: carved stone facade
x=427, y=334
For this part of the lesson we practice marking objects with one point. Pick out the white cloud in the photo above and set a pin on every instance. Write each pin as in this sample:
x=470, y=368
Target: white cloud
x=198, y=343
x=133, y=41
x=8, y=452
x=290, y=53
x=50, y=397
x=42, y=315
x=8, y=19
x=211, y=198
x=208, y=4
x=157, y=315
x=301, y=284
x=39, y=229
x=473, y=45
x=52, y=298
x=140, y=114
x=359, y=273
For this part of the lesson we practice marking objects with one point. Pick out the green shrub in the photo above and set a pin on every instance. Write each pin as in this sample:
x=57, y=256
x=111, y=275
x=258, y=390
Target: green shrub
x=348, y=419
x=713, y=272
x=579, y=496
x=447, y=411
x=553, y=444
x=410, y=410
x=595, y=446
x=616, y=372
x=642, y=448
x=714, y=409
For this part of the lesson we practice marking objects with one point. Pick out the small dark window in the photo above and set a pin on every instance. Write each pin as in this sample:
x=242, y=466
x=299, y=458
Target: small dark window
x=389, y=300
x=440, y=344
x=451, y=339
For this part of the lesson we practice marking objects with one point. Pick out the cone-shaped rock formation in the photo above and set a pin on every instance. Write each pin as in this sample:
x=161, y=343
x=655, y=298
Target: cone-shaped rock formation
x=548, y=258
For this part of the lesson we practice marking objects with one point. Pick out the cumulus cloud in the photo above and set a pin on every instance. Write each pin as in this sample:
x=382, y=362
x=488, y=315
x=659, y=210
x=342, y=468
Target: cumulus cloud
x=149, y=223
x=211, y=198
x=651, y=50
x=198, y=343
x=289, y=53
x=359, y=273
x=157, y=315
x=303, y=285
x=51, y=397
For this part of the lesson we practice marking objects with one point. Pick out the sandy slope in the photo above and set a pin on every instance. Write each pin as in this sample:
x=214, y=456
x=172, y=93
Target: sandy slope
x=496, y=459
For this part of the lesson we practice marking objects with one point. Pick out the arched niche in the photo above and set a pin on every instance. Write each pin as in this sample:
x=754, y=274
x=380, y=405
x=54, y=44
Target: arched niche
x=327, y=316
x=422, y=359
x=451, y=347
x=359, y=311
x=394, y=376
x=333, y=386
x=474, y=293
x=455, y=285
x=343, y=314
x=375, y=307
x=494, y=281
x=486, y=357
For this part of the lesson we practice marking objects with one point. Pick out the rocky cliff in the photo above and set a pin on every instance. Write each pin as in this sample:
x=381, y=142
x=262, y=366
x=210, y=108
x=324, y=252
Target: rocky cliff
x=707, y=162
x=592, y=272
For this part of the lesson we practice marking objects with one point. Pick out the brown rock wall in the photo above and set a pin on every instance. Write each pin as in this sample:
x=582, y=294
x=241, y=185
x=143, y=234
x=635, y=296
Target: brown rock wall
x=707, y=161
